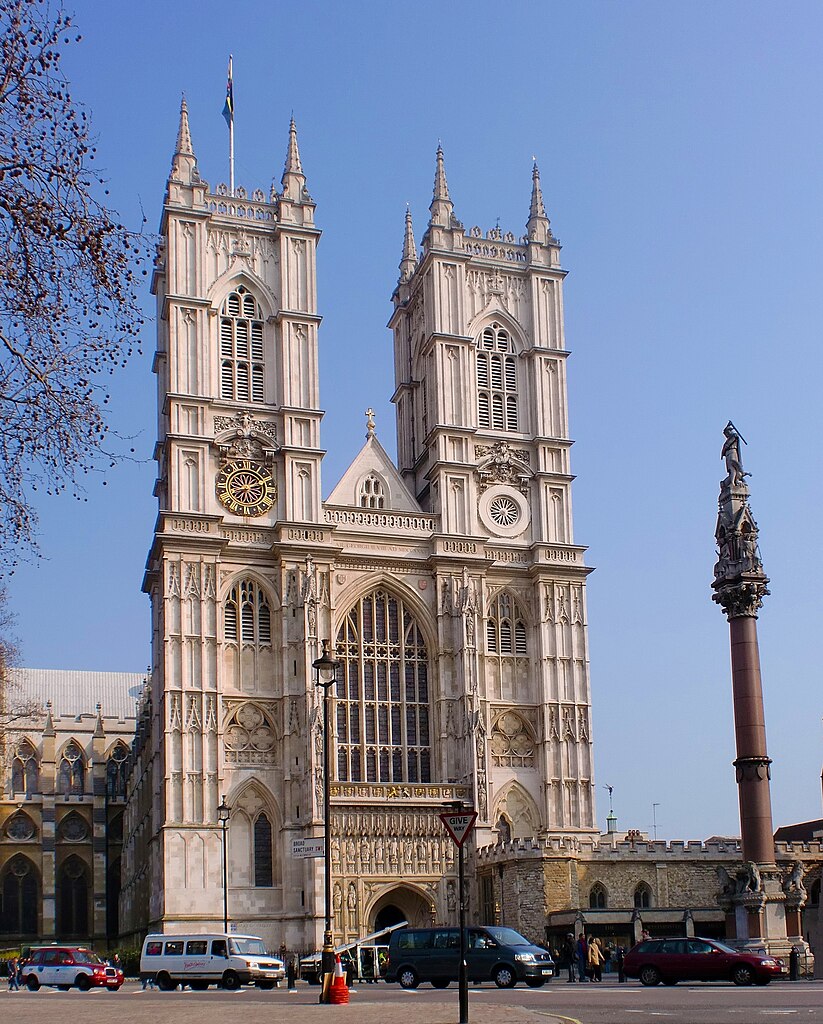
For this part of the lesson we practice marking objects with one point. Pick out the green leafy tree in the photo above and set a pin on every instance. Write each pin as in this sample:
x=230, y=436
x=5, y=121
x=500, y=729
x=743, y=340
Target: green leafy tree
x=70, y=275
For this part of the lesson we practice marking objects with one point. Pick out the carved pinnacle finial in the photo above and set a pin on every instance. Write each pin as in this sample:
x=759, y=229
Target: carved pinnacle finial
x=184, y=146
x=408, y=261
x=369, y=422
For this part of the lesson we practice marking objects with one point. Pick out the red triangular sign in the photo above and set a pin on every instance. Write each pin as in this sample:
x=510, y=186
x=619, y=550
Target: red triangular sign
x=459, y=825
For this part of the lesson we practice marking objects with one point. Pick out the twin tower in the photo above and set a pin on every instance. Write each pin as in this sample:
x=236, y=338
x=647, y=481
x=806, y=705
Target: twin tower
x=449, y=584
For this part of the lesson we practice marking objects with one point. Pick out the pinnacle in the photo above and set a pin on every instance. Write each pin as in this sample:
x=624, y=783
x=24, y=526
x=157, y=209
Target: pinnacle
x=293, y=165
x=441, y=186
x=184, y=146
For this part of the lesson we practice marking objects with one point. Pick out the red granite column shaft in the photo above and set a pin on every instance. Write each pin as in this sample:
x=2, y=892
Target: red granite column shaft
x=757, y=833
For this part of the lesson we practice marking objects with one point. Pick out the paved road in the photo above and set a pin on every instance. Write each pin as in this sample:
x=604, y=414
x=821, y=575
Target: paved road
x=557, y=1003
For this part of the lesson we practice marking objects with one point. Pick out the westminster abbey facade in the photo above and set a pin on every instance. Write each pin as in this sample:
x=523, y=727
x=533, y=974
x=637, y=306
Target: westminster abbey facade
x=449, y=585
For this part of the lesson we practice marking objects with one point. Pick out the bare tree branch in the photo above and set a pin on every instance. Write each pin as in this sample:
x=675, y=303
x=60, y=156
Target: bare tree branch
x=70, y=277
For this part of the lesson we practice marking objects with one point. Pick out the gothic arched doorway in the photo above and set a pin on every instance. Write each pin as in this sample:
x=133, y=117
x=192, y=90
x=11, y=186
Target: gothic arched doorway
x=401, y=904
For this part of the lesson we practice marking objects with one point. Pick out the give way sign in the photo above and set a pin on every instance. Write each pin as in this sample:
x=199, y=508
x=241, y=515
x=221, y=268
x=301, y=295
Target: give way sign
x=459, y=825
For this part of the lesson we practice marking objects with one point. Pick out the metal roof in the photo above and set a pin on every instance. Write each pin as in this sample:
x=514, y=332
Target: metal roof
x=74, y=693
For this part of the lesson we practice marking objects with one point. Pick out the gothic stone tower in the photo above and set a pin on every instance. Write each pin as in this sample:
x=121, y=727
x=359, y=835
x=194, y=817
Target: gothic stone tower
x=450, y=588
x=483, y=444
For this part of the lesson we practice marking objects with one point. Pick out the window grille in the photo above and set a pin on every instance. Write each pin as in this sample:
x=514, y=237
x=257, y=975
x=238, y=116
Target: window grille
x=247, y=606
x=496, y=380
x=382, y=694
x=242, y=364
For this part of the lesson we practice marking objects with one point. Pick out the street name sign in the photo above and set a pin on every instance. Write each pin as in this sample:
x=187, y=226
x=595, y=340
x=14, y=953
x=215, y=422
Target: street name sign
x=459, y=825
x=308, y=847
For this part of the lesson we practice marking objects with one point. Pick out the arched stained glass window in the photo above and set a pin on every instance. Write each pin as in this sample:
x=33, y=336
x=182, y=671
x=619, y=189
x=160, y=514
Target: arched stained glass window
x=19, y=897
x=263, y=866
x=71, y=771
x=382, y=694
x=242, y=367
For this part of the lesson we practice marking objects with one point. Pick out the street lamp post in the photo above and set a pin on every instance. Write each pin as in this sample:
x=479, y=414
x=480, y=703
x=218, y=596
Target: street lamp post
x=325, y=668
x=223, y=815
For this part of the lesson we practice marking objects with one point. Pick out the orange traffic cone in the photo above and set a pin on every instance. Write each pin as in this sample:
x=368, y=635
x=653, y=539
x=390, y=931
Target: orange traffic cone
x=339, y=993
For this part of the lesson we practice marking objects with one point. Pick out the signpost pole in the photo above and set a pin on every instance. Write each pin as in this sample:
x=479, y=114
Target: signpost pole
x=462, y=975
x=459, y=824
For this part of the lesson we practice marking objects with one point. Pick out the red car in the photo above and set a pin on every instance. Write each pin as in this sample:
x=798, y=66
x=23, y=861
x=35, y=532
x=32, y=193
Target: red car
x=65, y=967
x=673, y=960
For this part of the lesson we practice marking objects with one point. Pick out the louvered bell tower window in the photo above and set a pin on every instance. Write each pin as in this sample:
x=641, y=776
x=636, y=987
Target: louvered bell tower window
x=242, y=368
x=246, y=615
x=505, y=629
x=496, y=380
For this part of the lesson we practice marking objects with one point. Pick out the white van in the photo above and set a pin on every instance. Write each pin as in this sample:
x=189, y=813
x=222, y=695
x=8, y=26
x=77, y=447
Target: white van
x=200, y=960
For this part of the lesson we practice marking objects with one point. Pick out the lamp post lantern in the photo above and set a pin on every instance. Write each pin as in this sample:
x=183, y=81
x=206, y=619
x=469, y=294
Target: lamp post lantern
x=223, y=815
x=325, y=669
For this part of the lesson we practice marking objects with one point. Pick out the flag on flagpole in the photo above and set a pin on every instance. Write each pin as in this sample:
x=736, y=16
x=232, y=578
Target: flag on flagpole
x=228, y=106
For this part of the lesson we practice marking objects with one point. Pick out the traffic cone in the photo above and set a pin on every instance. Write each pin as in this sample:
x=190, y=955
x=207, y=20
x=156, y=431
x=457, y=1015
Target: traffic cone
x=339, y=993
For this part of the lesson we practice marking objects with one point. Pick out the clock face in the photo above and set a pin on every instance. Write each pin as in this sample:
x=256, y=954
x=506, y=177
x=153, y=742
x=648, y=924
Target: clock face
x=245, y=488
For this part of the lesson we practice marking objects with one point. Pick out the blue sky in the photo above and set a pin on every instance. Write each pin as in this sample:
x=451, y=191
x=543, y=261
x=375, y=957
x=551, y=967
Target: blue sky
x=680, y=152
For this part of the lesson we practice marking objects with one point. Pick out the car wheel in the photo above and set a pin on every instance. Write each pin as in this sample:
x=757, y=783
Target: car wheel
x=83, y=982
x=649, y=976
x=32, y=984
x=407, y=977
x=440, y=982
x=504, y=977
x=231, y=981
x=534, y=982
x=265, y=985
x=743, y=975
x=164, y=982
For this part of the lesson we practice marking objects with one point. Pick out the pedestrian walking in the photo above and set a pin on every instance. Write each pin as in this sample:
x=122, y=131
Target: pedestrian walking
x=569, y=954
x=595, y=959
x=12, y=968
x=582, y=951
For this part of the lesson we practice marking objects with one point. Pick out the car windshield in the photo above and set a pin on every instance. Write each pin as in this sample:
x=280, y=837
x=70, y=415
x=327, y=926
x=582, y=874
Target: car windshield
x=85, y=956
x=724, y=947
x=248, y=947
x=508, y=937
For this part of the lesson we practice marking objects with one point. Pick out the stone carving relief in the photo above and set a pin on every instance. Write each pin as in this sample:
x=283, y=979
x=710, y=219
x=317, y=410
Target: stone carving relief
x=249, y=736
x=501, y=464
x=512, y=742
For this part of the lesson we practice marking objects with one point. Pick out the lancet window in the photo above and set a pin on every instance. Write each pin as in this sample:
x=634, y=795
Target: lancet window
x=372, y=493
x=263, y=865
x=242, y=367
x=71, y=771
x=382, y=694
x=497, y=380
x=25, y=771
x=246, y=615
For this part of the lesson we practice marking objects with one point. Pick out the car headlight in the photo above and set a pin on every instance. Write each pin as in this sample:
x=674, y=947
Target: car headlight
x=526, y=958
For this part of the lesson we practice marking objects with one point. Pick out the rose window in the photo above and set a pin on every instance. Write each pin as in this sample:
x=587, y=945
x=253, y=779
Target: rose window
x=504, y=510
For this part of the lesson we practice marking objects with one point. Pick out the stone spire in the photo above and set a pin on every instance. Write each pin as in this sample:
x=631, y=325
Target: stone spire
x=538, y=228
x=441, y=205
x=184, y=162
x=293, y=182
x=408, y=263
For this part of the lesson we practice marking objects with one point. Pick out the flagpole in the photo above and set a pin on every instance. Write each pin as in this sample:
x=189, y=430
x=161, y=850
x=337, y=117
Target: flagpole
x=231, y=134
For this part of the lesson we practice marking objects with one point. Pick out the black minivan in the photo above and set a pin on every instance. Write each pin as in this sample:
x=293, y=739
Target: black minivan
x=495, y=954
